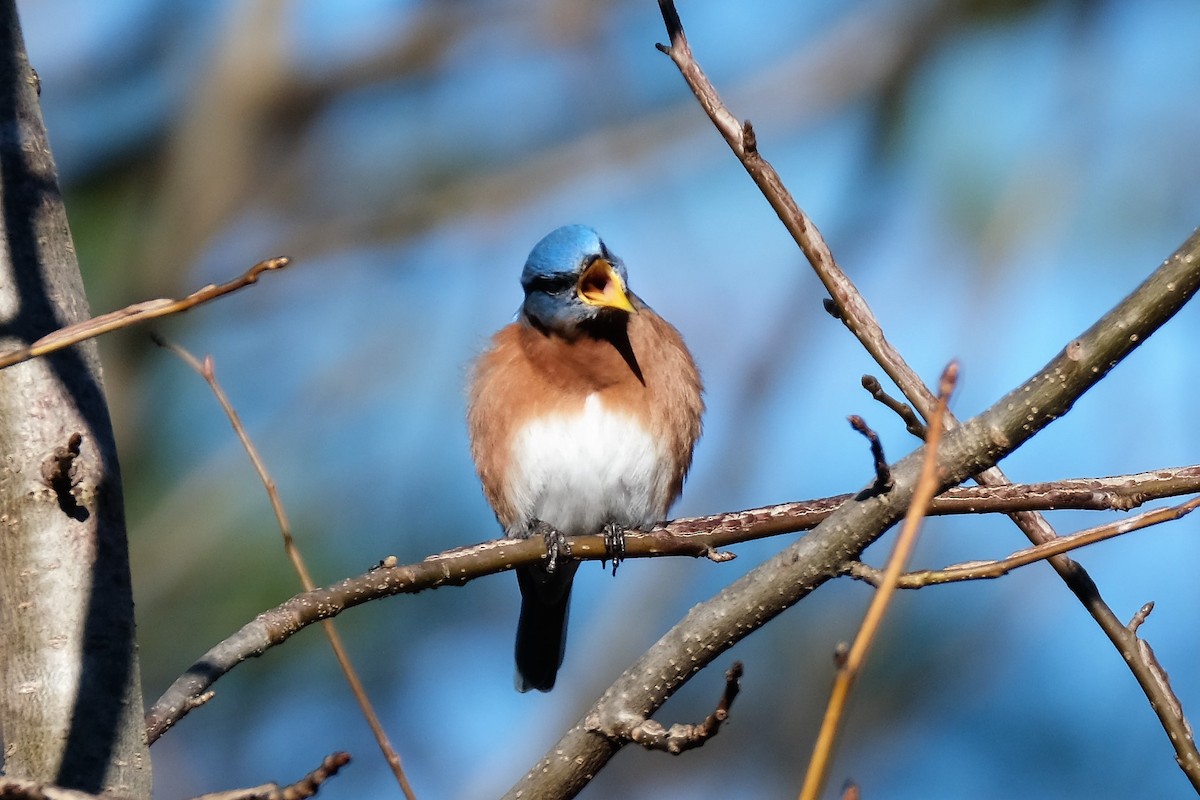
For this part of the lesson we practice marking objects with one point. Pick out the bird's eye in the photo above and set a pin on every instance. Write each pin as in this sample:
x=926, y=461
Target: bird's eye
x=551, y=284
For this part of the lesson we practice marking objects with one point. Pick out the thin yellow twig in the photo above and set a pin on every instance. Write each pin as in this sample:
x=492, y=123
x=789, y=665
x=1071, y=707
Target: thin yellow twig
x=133, y=314
x=206, y=371
x=927, y=486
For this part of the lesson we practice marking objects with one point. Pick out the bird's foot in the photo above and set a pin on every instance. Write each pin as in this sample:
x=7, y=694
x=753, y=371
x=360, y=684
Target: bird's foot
x=558, y=548
x=614, y=545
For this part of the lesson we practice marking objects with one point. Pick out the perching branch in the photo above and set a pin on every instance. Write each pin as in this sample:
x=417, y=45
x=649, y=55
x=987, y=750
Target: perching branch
x=696, y=537
x=883, y=478
x=1162, y=301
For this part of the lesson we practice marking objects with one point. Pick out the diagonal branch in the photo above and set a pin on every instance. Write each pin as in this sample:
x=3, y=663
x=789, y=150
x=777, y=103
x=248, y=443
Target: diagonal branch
x=852, y=309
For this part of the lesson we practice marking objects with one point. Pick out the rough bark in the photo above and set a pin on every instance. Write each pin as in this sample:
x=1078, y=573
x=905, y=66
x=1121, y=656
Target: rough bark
x=70, y=696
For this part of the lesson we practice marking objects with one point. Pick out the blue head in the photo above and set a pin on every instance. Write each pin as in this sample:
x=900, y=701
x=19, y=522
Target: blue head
x=570, y=278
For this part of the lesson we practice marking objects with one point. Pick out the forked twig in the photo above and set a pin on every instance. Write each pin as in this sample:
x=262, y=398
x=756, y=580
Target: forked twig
x=680, y=737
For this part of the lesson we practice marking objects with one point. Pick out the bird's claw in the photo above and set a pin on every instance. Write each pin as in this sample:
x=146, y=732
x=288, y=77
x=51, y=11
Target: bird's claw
x=557, y=546
x=614, y=545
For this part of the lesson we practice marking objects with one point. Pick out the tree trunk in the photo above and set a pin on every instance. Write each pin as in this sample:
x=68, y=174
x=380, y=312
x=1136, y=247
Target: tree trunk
x=70, y=695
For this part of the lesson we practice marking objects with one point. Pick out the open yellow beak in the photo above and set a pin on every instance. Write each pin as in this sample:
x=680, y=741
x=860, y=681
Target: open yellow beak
x=600, y=285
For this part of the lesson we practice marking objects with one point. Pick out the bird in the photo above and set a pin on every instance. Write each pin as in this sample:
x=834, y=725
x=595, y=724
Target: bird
x=582, y=414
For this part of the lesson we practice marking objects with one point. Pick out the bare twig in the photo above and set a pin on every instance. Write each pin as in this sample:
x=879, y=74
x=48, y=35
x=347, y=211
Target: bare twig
x=883, y=473
x=1141, y=616
x=132, y=315
x=849, y=668
x=983, y=570
x=681, y=736
x=207, y=371
x=854, y=312
x=903, y=410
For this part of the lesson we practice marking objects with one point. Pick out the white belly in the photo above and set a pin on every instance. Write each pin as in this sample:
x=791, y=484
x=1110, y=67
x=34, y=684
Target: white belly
x=577, y=472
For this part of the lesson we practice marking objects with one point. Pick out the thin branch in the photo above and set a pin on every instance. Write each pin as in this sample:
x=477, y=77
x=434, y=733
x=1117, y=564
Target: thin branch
x=850, y=667
x=1160, y=298
x=207, y=371
x=134, y=314
x=983, y=570
x=695, y=537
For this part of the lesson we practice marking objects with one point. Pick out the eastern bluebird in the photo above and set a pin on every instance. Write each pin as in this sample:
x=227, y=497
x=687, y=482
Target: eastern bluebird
x=583, y=414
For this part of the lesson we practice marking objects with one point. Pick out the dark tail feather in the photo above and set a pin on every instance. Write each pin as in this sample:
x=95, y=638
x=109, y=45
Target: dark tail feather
x=542, y=629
